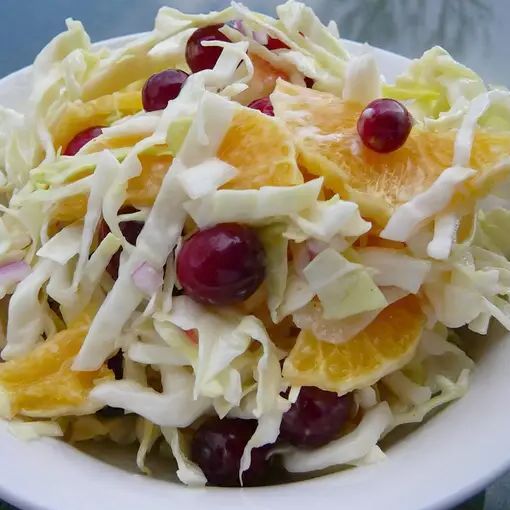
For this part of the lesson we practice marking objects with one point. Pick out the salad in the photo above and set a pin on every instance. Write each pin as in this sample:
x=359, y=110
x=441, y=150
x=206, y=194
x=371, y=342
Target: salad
x=231, y=242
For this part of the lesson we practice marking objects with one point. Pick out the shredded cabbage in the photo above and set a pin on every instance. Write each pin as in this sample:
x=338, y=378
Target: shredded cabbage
x=222, y=339
x=270, y=406
x=337, y=331
x=154, y=243
x=253, y=206
x=62, y=246
x=343, y=288
x=92, y=276
x=149, y=354
x=445, y=230
x=206, y=177
x=436, y=84
x=395, y=268
x=362, y=79
x=326, y=219
x=188, y=472
x=406, y=390
x=409, y=216
x=449, y=391
x=468, y=287
x=174, y=407
x=276, y=247
x=491, y=231
x=26, y=312
x=30, y=430
x=297, y=294
x=313, y=50
x=439, y=91
x=366, y=397
x=148, y=434
x=104, y=174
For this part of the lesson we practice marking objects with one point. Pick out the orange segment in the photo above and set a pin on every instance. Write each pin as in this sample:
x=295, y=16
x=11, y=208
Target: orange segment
x=69, y=210
x=100, y=143
x=102, y=111
x=262, y=150
x=260, y=147
x=324, y=130
x=263, y=81
x=42, y=384
x=382, y=347
x=141, y=192
x=143, y=189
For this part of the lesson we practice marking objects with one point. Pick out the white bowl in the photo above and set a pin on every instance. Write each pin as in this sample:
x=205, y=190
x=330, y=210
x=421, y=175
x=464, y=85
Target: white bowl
x=453, y=455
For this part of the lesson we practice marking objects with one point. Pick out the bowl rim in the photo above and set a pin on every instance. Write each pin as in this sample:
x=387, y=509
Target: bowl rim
x=71, y=464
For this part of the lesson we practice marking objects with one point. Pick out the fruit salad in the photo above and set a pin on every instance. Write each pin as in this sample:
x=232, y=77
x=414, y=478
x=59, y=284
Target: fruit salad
x=231, y=242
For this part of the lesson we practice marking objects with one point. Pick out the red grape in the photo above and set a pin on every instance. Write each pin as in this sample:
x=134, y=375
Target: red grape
x=201, y=57
x=384, y=125
x=161, y=88
x=221, y=265
x=316, y=418
x=116, y=364
x=309, y=82
x=263, y=105
x=218, y=446
x=275, y=44
x=130, y=230
x=81, y=139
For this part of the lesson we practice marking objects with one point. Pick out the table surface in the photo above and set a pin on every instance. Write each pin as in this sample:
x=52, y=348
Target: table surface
x=473, y=31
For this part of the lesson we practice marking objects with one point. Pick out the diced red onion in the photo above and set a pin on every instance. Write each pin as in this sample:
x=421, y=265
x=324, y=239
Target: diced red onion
x=238, y=24
x=14, y=272
x=147, y=278
x=260, y=36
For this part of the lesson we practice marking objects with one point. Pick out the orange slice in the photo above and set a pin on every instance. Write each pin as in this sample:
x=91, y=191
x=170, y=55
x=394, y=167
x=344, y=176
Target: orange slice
x=141, y=192
x=263, y=80
x=143, y=189
x=384, y=346
x=42, y=384
x=77, y=116
x=260, y=147
x=324, y=130
x=262, y=150
x=68, y=210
